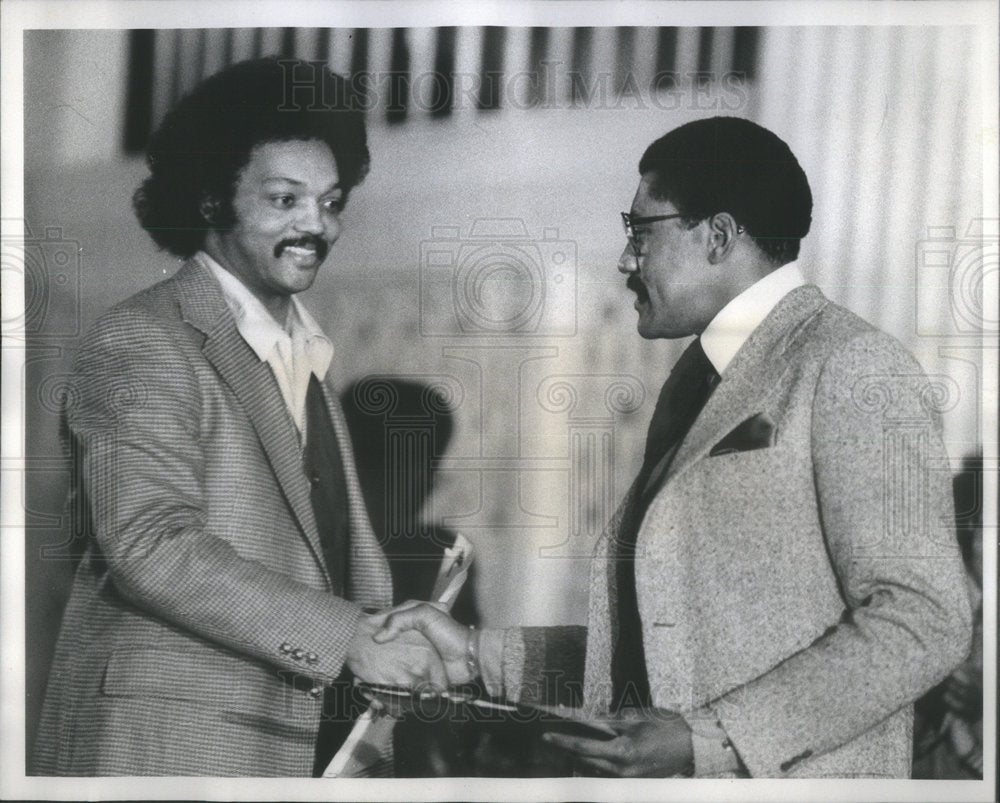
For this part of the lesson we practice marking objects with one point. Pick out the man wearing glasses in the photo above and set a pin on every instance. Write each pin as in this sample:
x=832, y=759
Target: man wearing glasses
x=782, y=580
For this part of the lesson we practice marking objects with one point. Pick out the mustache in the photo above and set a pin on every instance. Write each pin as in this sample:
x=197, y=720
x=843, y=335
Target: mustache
x=306, y=241
x=634, y=283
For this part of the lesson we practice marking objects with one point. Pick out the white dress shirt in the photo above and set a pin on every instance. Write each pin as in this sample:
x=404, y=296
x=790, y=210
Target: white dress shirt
x=294, y=352
x=735, y=322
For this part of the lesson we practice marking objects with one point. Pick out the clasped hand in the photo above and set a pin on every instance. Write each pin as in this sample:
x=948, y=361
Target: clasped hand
x=414, y=645
x=652, y=743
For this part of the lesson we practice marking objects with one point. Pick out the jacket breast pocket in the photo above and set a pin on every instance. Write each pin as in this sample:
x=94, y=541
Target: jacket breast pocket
x=759, y=431
x=741, y=459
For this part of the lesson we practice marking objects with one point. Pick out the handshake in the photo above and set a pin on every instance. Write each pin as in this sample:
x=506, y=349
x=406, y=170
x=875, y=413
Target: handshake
x=414, y=645
x=418, y=645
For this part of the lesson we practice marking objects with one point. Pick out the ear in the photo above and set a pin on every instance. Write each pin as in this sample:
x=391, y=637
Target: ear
x=723, y=232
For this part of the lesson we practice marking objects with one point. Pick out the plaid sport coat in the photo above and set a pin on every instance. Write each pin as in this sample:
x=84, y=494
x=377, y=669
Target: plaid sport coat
x=200, y=629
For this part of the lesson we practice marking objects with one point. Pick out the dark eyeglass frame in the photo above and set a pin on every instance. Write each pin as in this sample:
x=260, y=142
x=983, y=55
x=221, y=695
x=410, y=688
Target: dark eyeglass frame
x=630, y=222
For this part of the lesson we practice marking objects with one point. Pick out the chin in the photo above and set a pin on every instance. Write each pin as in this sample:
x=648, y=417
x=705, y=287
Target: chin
x=302, y=280
x=650, y=333
x=647, y=330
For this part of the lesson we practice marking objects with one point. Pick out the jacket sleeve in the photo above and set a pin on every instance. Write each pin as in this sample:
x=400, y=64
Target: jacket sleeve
x=135, y=412
x=882, y=484
x=543, y=665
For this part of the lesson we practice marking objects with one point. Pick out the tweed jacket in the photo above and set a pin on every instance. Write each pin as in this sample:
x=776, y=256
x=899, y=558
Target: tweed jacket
x=201, y=626
x=801, y=585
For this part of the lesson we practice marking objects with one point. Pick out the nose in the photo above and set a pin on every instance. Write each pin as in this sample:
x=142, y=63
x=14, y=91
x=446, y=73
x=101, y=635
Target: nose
x=628, y=262
x=313, y=220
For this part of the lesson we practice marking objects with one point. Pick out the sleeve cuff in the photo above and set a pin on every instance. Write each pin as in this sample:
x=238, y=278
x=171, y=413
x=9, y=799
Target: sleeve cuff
x=491, y=660
x=714, y=755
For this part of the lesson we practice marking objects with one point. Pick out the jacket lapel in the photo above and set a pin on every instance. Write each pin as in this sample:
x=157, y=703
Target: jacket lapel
x=204, y=307
x=751, y=379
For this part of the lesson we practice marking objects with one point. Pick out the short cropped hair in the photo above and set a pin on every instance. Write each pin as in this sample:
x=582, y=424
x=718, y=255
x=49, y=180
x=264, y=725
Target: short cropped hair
x=728, y=164
x=205, y=141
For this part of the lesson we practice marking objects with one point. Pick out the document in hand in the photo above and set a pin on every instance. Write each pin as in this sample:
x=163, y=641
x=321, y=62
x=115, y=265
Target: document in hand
x=369, y=742
x=467, y=705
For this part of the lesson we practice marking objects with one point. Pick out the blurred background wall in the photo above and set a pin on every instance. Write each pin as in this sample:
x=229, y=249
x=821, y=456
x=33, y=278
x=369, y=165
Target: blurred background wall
x=479, y=256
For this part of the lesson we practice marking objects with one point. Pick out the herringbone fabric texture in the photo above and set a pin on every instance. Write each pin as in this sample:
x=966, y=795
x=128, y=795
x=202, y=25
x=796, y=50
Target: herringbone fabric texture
x=201, y=618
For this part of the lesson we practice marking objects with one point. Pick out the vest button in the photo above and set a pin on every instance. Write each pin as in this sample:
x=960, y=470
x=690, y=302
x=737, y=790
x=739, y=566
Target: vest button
x=314, y=480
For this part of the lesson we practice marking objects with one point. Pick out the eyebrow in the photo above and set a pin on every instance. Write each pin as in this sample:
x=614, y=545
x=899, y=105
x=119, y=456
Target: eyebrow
x=297, y=183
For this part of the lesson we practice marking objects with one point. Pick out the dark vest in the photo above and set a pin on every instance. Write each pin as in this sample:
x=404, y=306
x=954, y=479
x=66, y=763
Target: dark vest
x=324, y=467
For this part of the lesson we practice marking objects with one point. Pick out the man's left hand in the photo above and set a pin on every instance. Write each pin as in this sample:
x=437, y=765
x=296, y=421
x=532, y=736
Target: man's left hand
x=657, y=745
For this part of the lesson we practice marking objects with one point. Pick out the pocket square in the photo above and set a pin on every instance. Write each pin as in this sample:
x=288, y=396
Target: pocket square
x=757, y=432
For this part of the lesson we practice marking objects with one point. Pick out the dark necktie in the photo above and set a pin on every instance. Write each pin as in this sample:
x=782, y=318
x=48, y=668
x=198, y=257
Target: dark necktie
x=683, y=396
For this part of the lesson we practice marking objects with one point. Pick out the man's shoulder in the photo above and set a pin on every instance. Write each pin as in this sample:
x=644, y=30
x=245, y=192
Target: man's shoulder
x=835, y=333
x=153, y=309
x=159, y=300
x=150, y=321
x=856, y=367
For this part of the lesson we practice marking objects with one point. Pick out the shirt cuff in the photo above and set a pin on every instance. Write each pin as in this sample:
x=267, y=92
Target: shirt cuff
x=491, y=660
x=714, y=755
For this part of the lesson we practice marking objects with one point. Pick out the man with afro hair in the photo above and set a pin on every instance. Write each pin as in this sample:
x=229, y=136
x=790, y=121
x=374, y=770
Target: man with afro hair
x=227, y=596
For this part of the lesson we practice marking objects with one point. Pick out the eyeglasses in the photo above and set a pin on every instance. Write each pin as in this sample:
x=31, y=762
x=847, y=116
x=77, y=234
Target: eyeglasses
x=630, y=222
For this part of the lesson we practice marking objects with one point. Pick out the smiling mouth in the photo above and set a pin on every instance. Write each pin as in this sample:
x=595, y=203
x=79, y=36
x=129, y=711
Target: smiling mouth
x=305, y=251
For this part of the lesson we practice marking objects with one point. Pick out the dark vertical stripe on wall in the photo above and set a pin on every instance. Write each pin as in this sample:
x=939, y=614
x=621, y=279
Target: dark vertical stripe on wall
x=227, y=44
x=175, y=70
x=399, y=77
x=287, y=47
x=359, y=54
x=491, y=74
x=444, y=73
x=202, y=57
x=666, y=57
x=745, y=52
x=705, y=36
x=258, y=42
x=536, y=56
x=359, y=64
x=323, y=46
x=625, y=58
x=139, y=90
x=580, y=62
